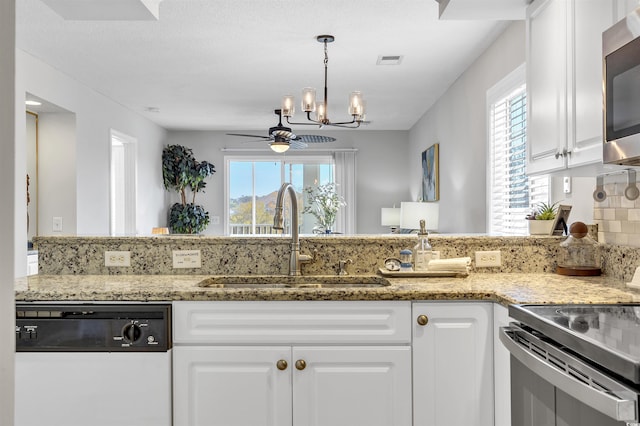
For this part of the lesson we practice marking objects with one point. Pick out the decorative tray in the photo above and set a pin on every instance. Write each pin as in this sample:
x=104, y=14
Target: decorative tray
x=424, y=274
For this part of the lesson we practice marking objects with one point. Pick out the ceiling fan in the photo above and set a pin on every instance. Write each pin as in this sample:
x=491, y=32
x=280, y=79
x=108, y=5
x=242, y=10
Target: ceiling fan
x=282, y=138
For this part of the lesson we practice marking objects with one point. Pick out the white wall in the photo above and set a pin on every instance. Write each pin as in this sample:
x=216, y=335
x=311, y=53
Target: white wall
x=56, y=170
x=580, y=198
x=8, y=208
x=382, y=170
x=88, y=177
x=458, y=123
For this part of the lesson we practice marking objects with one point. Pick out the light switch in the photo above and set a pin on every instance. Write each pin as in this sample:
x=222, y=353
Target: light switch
x=57, y=224
x=566, y=184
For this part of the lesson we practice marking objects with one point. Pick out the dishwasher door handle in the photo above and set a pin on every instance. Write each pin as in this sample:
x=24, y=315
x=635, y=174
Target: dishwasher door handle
x=571, y=375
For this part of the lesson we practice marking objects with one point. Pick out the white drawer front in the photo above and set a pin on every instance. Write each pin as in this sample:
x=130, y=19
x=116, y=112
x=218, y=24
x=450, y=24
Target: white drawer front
x=291, y=322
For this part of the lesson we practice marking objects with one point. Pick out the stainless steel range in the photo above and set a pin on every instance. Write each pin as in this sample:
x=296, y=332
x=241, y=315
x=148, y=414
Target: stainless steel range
x=574, y=364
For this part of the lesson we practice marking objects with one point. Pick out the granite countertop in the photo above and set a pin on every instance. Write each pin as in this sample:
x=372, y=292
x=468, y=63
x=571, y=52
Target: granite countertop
x=504, y=288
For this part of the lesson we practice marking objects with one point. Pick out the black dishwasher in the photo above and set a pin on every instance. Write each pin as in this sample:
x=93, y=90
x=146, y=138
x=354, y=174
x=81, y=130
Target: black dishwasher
x=98, y=364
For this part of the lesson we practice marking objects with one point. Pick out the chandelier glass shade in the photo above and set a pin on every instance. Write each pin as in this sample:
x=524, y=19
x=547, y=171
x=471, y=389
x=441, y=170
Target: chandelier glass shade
x=310, y=104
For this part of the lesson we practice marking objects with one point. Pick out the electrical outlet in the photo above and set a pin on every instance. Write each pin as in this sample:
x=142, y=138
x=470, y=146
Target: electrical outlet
x=435, y=254
x=187, y=259
x=215, y=220
x=117, y=258
x=488, y=259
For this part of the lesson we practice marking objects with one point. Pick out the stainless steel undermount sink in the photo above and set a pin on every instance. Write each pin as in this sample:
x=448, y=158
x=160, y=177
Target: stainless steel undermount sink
x=285, y=281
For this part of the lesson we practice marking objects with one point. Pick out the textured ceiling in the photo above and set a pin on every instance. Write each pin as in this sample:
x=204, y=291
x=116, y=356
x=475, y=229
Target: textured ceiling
x=225, y=64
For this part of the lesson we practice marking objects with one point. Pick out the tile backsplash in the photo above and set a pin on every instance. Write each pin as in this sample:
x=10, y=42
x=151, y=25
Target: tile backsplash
x=618, y=218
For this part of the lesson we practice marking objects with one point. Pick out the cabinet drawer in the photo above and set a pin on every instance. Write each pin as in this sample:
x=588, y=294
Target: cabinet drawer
x=291, y=322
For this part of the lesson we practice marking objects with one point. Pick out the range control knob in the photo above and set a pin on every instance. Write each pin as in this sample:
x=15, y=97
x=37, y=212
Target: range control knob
x=131, y=333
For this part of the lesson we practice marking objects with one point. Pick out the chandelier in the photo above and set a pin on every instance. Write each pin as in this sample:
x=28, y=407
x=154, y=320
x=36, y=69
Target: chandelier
x=309, y=104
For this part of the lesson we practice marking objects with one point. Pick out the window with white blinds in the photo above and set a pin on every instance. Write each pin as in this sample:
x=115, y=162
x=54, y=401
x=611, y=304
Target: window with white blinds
x=511, y=192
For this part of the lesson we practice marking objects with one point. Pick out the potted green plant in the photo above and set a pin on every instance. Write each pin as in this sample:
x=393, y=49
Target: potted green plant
x=323, y=202
x=182, y=173
x=541, y=218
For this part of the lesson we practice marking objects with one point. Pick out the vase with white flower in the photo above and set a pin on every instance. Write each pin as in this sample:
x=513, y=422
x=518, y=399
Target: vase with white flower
x=323, y=202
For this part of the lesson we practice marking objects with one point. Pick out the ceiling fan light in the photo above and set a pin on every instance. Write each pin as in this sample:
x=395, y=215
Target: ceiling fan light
x=288, y=106
x=308, y=99
x=279, y=146
x=356, y=106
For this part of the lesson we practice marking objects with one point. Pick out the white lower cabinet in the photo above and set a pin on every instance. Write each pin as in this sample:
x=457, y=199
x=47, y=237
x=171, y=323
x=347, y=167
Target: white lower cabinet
x=346, y=386
x=453, y=364
x=231, y=386
x=333, y=363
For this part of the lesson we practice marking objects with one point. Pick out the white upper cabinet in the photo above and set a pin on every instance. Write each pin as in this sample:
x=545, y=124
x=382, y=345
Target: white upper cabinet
x=564, y=81
x=546, y=85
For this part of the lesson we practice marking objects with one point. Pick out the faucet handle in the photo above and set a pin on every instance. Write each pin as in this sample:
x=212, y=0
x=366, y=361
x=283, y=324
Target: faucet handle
x=342, y=266
x=305, y=258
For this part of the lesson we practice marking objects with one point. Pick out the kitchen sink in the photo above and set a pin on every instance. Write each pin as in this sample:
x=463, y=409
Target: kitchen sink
x=285, y=281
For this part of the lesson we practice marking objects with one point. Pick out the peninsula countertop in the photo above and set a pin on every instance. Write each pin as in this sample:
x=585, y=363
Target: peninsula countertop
x=504, y=288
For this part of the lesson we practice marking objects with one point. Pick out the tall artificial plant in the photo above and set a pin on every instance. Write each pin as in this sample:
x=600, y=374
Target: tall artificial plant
x=183, y=174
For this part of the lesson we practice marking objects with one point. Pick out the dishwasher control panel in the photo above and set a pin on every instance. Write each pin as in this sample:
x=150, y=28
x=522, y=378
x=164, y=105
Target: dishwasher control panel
x=93, y=327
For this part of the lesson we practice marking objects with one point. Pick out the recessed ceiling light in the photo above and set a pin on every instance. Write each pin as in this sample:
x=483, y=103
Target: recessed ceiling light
x=389, y=60
x=33, y=103
x=152, y=109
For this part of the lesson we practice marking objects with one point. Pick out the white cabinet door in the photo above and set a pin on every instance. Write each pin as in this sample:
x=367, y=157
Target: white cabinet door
x=546, y=85
x=564, y=81
x=347, y=386
x=590, y=19
x=292, y=322
x=453, y=364
x=231, y=386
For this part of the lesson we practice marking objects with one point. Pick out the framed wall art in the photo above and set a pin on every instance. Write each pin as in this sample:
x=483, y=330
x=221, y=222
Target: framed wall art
x=430, y=170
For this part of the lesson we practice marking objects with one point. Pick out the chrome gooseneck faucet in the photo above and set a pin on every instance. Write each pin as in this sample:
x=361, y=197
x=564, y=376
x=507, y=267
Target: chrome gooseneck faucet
x=295, y=257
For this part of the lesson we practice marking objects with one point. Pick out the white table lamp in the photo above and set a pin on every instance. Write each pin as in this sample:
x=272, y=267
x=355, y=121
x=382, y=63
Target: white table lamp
x=412, y=212
x=390, y=216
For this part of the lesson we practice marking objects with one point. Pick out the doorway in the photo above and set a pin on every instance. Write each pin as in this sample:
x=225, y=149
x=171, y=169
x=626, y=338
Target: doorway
x=123, y=186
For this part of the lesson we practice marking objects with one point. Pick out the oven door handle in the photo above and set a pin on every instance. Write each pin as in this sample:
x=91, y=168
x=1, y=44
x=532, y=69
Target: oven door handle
x=618, y=401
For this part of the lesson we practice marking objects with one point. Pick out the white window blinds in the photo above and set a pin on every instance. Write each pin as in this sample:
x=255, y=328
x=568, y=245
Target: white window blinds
x=512, y=192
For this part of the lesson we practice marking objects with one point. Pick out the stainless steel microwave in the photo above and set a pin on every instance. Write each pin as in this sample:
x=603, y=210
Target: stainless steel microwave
x=621, y=91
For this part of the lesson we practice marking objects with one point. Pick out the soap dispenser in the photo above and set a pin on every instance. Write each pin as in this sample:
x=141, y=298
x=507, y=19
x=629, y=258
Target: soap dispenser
x=422, y=250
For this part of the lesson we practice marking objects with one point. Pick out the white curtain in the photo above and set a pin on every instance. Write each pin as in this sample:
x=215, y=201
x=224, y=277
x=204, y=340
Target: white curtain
x=346, y=178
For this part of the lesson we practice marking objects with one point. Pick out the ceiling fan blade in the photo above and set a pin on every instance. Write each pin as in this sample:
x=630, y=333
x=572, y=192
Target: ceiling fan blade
x=315, y=139
x=296, y=144
x=266, y=138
